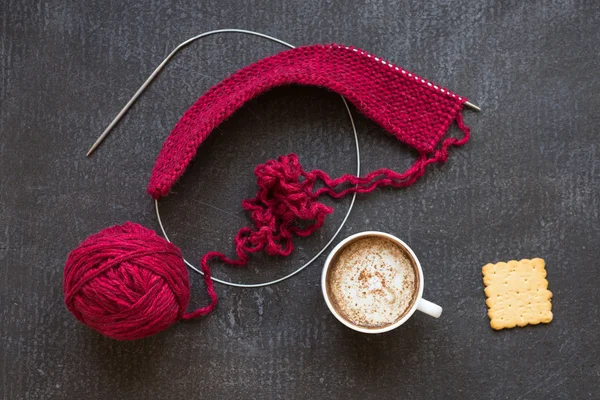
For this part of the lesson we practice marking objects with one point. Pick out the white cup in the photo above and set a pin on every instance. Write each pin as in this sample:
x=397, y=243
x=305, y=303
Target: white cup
x=419, y=303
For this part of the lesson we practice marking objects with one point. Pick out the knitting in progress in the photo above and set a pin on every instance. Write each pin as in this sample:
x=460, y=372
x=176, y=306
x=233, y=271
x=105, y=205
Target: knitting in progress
x=414, y=110
x=128, y=283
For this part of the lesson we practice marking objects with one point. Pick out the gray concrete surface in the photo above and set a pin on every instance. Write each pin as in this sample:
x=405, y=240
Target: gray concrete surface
x=526, y=185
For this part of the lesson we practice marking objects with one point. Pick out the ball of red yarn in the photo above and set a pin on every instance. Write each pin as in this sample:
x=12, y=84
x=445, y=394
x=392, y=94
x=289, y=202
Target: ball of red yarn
x=126, y=282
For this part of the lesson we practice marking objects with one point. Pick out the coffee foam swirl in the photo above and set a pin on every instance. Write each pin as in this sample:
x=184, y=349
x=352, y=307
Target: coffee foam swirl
x=372, y=282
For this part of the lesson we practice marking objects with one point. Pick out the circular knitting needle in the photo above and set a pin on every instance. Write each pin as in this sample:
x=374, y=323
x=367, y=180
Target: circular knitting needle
x=166, y=60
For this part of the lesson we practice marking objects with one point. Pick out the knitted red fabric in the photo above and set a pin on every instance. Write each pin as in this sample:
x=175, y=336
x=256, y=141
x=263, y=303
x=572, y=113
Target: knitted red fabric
x=413, y=109
x=127, y=283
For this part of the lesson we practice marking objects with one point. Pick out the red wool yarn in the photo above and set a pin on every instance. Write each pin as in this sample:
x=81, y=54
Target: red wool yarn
x=127, y=283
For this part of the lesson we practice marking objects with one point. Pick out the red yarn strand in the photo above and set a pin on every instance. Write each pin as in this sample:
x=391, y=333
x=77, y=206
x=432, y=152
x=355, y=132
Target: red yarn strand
x=210, y=290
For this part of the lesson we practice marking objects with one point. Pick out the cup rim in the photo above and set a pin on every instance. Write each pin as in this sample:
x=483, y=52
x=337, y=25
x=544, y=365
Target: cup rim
x=344, y=321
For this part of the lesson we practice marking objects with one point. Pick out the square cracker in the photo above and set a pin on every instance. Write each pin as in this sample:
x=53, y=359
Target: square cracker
x=517, y=293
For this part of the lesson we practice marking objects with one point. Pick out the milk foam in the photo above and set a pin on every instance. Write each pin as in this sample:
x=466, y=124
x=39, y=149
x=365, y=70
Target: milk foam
x=372, y=282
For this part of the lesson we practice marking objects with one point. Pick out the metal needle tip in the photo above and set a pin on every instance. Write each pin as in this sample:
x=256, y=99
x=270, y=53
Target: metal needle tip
x=94, y=146
x=473, y=106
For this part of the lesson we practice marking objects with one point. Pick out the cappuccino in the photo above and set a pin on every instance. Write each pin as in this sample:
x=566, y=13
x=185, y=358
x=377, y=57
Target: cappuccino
x=372, y=282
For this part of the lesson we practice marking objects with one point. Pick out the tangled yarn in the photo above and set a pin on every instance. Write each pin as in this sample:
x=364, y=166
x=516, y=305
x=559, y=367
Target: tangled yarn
x=127, y=283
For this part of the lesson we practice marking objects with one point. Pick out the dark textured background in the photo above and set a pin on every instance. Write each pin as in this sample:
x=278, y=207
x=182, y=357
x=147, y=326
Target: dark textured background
x=526, y=185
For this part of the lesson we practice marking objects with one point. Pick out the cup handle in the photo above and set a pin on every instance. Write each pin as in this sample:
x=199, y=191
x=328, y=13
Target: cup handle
x=429, y=308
